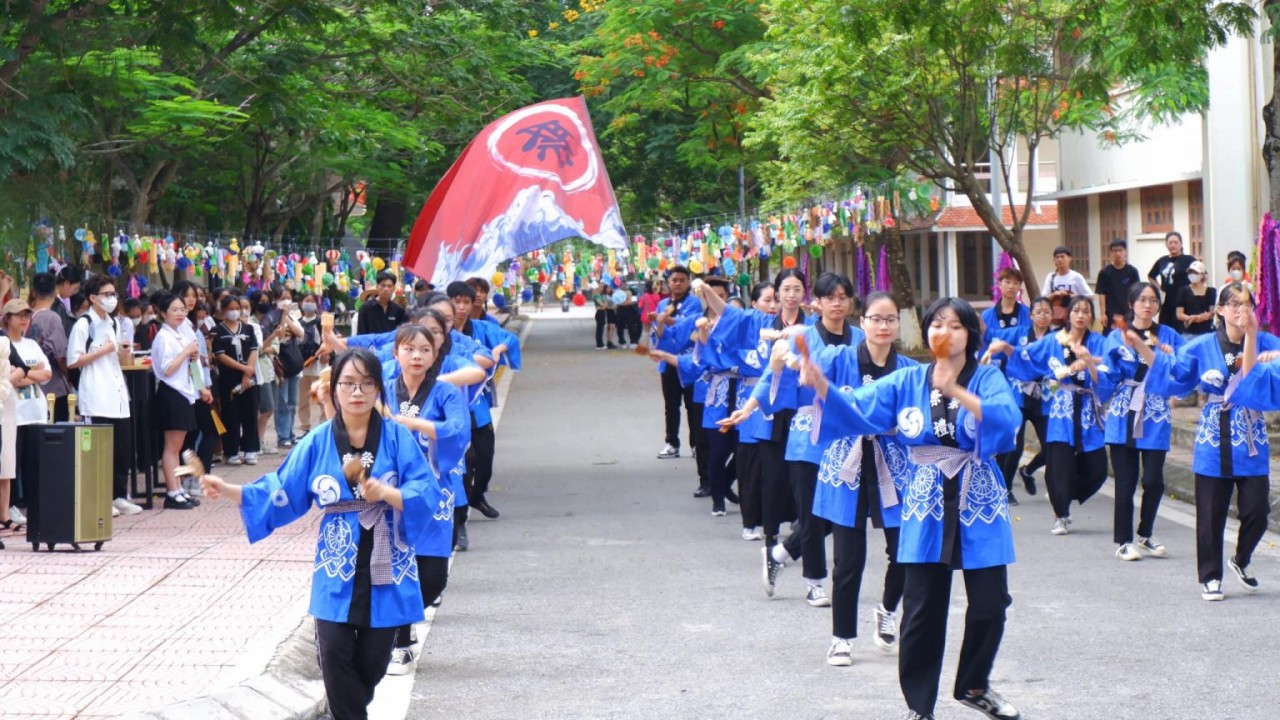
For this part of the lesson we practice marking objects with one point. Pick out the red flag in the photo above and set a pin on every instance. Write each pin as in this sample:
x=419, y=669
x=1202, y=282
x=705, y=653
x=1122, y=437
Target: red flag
x=533, y=177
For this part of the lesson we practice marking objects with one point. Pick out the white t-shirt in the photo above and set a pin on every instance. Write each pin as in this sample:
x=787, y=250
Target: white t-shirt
x=32, y=406
x=1073, y=282
x=166, y=346
x=102, y=391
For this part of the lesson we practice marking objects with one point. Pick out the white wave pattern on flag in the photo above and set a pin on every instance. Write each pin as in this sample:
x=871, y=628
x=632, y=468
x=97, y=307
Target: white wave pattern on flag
x=534, y=220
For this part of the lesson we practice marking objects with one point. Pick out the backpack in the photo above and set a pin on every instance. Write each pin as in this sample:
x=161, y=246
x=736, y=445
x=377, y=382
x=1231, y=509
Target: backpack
x=290, y=359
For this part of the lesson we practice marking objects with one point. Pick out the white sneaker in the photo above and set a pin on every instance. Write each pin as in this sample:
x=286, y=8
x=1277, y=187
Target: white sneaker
x=752, y=534
x=191, y=486
x=115, y=511
x=817, y=597
x=1152, y=547
x=886, y=636
x=269, y=449
x=1059, y=526
x=236, y=459
x=16, y=516
x=125, y=507
x=1128, y=552
x=840, y=654
x=251, y=458
x=401, y=662
x=1211, y=591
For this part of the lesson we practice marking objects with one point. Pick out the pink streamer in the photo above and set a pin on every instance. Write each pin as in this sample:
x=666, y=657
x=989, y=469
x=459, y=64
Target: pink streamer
x=883, y=281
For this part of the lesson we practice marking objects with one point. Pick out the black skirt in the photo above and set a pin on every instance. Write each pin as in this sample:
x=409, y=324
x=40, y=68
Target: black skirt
x=173, y=411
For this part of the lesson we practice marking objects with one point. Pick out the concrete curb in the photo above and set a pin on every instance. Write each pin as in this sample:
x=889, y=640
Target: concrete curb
x=289, y=689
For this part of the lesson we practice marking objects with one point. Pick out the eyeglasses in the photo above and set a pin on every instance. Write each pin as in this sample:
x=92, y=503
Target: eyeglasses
x=885, y=320
x=838, y=299
x=351, y=387
x=1238, y=305
x=1146, y=301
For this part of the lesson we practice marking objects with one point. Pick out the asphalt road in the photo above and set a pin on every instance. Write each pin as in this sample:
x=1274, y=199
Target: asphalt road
x=606, y=591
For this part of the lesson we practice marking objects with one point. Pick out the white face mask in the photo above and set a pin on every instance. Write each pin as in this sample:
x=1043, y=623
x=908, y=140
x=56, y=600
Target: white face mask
x=308, y=307
x=233, y=315
x=1237, y=275
x=109, y=304
x=1194, y=277
x=282, y=303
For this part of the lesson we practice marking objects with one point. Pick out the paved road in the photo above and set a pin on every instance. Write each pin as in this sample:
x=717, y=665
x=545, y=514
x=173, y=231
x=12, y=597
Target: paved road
x=607, y=591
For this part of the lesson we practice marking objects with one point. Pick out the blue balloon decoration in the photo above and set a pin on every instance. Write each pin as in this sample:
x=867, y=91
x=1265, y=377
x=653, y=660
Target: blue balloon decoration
x=500, y=301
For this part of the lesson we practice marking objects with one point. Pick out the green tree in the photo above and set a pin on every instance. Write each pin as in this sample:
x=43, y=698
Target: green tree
x=937, y=88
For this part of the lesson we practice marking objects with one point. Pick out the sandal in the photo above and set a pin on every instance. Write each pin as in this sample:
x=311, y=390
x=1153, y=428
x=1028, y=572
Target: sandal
x=11, y=526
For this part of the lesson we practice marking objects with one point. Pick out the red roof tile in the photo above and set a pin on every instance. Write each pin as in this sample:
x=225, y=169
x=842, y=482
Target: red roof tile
x=966, y=217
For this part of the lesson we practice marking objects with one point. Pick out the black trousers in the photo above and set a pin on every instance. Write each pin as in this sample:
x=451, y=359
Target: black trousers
x=720, y=450
x=776, y=501
x=601, y=322
x=1073, y=475
x=849, y=546
x=809, y=542
x=926, y=602
x=480, y=463
x=352, y=662
x=698, y=438
x=433, y=576
x=750, y=483
x=202, y=439
x=673, y=393
x=1213, y=502
x=122, y=447
x=460, y=515
x=1124, y=462
x=629, y=323
x=1041, y=424
x=240, y=417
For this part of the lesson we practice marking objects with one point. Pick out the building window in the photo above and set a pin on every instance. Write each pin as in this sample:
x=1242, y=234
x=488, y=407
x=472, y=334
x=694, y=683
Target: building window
x=1112, y=208
x=1195, y=209
x=1073, y=213
x=1157, y=209
x=974, y=253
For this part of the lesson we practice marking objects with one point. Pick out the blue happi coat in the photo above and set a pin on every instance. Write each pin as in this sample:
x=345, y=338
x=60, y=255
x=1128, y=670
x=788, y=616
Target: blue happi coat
x=1038, y=361
x=800, y=444
x=738, y=332
x=675, y=344
x=312, y=473
x=1125, y=366
x=446, y=408
x=1201, y=364
x=994, y=326
x=1020, y=337
x=905, y=400
x=836, y=496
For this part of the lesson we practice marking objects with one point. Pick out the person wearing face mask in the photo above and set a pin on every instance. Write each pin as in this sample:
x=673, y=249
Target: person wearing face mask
x=288, y=376
x=103, y=397
x=1236, y=269
x=1195, y=303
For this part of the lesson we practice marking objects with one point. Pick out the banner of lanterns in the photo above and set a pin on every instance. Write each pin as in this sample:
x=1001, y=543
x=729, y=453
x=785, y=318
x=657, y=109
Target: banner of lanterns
x=728, y=249
x=254, y=264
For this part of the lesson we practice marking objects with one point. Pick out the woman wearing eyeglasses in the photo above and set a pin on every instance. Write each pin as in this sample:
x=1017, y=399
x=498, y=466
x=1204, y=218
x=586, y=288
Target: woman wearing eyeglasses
x=367, y=475
x=1138, y=422
x=1232, y=452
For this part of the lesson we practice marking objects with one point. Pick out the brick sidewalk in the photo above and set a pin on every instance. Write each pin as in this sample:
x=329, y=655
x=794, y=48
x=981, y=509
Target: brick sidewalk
x=176, y=604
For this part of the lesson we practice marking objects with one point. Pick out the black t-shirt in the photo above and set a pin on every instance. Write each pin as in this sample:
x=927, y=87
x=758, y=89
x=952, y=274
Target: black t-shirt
x=1171, y=275
x=1193, y=304
x=372, y=319
x=238, y=346
x=1114, y=285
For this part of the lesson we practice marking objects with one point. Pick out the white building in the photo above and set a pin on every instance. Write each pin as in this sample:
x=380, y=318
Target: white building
x=1203, y=176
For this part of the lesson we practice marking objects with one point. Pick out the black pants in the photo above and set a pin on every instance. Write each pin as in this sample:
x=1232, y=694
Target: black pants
x=604, y=318
x=202, y=439
x=1124, y=461
x=1008, y=462
x=460, y=515
x=776, y=501
x=809, y=542
x=720, y=449
x=699, y=440
x=352, y=661
x=673, y=393
x=750, y=483
x=480, y=463
x=433, y=576
x=1073, y=475
x=122, y=447
x=849, y=546
x=240, y=417
x=925, y=605
x=629, y=323
x=1213, y=502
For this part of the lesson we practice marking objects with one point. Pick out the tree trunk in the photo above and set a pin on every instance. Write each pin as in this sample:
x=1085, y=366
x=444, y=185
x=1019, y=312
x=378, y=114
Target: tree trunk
x=387, y=226
x=1009, y=240
x=1271, y=144
x=903, y=290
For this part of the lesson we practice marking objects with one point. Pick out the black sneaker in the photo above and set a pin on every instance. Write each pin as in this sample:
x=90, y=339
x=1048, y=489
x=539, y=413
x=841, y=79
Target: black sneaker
x=913, y=715
x=1249, y=582
x=992, y=705
x=486, y=509
x=1028, y=480
x=177, y=503
x=770, y=569
x=702, y=492
x=611, y=346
